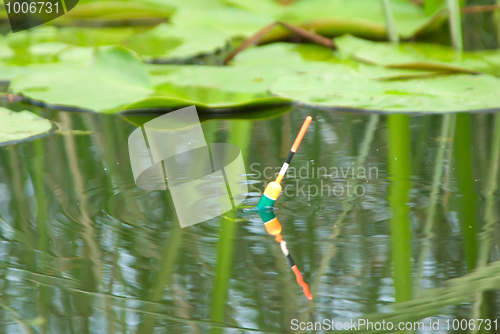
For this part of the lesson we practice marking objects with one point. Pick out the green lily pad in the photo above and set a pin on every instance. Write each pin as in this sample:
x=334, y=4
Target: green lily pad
x=140, y=118
x=213, y=87
x=20, y=125
x=116, y=78
x=163, y=41
x=231, y=21
x=332, y=18
x=316, y=58
x=351, y=90
x=119, y=10
x=175, y=103
x=416, y=56
x=174, y=42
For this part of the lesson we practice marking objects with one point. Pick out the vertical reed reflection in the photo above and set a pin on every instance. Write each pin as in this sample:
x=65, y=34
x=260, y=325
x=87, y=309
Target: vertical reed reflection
x=401, y=234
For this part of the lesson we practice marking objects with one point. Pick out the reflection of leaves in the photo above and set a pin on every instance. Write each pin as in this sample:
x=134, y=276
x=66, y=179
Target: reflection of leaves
x=456, y=291
x=15, y=126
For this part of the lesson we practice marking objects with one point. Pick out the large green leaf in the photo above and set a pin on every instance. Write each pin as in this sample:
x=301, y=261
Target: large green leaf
x=315, y=58
x=116, y=78
x=119, y=10
x=44, y=44
x=20, y=125
x=175, y=42
x=351, y=90
x=231, y=21
x=225, y=105
x=418, y=56
x=213, y=87
x=336, y=17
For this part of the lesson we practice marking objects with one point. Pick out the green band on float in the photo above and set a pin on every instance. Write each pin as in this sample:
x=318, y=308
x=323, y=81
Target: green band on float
x=265, y=202
x=266, y=215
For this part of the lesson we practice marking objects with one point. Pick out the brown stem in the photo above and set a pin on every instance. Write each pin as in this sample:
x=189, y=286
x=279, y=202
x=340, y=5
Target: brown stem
x=309, y=35
x=312, y=36
x=480, y=9
x=255, y=38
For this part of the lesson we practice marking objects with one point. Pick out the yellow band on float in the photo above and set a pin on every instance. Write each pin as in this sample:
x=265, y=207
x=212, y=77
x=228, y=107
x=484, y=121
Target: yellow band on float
x=273, y=190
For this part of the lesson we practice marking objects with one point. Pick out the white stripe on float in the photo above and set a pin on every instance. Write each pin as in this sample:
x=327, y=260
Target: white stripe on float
x=283, y=248
x=284, y=168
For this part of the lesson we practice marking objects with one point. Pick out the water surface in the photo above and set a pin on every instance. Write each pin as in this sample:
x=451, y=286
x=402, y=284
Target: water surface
x=83, y=250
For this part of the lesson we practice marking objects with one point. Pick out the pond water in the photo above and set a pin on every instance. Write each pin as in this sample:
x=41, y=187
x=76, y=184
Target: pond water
x=377, y=210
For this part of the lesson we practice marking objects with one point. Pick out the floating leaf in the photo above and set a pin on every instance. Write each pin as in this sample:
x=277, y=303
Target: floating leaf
x=165, y=41
x=213, y=87
x=415, y=55
x=351, y=90
x=332, y=18
x=116, y=78
x=315, y=58
x=119, y=10
x=139, y=118
x=230, y=21
x=15, y=126
x=176, y=42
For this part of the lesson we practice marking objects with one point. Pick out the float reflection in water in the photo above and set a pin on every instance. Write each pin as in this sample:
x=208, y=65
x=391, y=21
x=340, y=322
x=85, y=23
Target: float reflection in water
x=271, y=194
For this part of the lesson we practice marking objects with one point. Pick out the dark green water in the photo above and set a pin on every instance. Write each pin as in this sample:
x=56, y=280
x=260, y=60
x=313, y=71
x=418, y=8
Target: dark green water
x=83, y=250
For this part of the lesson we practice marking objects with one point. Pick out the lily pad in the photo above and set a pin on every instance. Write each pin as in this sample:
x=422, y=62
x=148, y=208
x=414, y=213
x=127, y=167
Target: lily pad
x=139, y=118
x=213, y=87
x=228, y=20
x=315, y=58
x=174, y=42
x=119, y=80
x=116, y=78
x=119, y=10
x=416, y=56
x=164, y=41
x=20, y=125
x=351, y=90
x=332, y=18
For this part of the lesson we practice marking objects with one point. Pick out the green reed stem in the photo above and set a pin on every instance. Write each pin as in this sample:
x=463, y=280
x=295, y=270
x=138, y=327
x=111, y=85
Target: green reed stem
x=225, y=250
x=163, y=276
x=480, y=308
x=392, y=30
x=455, y=24
x=339, y=222
x=436, y=185
x=239, y=135
x=401, y=234
x=465, y=181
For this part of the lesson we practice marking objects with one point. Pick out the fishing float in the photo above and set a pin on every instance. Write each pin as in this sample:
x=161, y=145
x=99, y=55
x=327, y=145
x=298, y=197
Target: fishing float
x=266, y=203
x=273, y=189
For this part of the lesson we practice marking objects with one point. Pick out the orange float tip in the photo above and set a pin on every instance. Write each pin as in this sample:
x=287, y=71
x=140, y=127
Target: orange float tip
x=300, y=281
x=273, y=227
x=301, y=134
